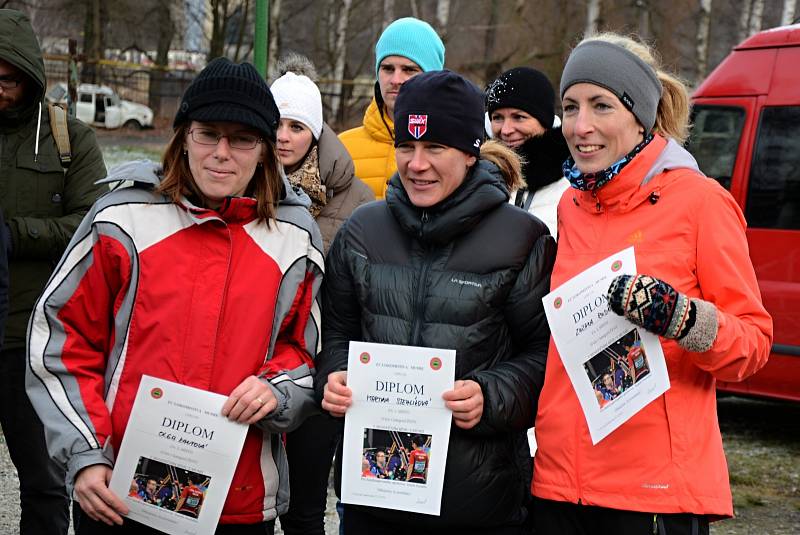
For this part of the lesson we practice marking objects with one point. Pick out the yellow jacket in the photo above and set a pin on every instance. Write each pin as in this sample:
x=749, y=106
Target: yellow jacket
x=372, y=148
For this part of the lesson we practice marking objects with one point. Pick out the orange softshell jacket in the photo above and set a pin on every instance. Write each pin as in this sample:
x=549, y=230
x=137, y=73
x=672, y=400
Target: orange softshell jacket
x=688, y=231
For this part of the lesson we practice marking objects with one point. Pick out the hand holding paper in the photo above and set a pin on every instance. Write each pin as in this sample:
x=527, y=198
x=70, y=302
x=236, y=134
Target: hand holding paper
x=337, y=397
x=249, y=402
x=656, y=306
x=94, y=496
x=466, y=402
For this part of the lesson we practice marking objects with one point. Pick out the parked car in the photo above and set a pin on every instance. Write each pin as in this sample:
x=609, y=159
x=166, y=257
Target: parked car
x=747, y=135
x=99, y=105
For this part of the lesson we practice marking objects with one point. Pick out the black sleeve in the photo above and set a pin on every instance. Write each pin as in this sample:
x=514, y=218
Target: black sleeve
x=511, y=388
x=341, y=311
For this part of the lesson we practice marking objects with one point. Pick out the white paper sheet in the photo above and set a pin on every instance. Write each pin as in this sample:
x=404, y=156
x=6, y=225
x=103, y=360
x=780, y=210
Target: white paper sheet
x=176, y=433
x=397, y=398
x=615, y=367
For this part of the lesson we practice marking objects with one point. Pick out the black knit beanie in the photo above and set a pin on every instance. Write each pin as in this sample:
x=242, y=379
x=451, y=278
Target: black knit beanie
x=441, y=107
x=230, y=92
x=526, y=89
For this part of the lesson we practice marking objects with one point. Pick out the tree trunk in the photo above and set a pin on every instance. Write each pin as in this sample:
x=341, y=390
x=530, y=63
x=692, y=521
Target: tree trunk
x=242, y=26
x=414, y=8
x=93, y=40
x=644, y=18
x=340, y=49
x=787, y=16
x=274, y=36
x=219, y=27
x=592, y=16
x=744, y=19
x=388, y=13
x=703, y=28
x=166, y=32
x=491, y=69
x=442, y=15
x=756, y=16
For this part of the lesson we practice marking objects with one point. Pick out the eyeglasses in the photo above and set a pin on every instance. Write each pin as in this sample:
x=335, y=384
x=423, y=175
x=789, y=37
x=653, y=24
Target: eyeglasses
x=9, y=82
x=204, y=136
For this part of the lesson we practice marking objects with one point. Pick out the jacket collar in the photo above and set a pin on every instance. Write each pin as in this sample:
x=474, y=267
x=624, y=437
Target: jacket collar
x=638, y=181
x=379, y=126
x=483, y=190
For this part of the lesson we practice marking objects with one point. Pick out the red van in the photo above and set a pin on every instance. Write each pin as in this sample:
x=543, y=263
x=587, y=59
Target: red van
x=747, y=136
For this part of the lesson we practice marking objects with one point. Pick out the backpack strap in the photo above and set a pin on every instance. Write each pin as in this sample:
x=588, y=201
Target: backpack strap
x=58, y=125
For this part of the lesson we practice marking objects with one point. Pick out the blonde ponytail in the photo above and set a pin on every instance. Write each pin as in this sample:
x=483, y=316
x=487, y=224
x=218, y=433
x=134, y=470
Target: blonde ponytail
x=506, y=160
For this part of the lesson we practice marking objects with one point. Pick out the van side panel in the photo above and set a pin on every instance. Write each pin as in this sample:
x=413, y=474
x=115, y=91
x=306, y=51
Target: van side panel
x=744, y=72
x=785, y=85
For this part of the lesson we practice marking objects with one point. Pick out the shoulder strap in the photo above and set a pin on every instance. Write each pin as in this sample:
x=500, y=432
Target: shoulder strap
x=58, y=125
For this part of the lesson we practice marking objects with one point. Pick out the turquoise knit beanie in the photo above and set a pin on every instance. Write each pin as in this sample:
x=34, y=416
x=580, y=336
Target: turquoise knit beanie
x=413, y=39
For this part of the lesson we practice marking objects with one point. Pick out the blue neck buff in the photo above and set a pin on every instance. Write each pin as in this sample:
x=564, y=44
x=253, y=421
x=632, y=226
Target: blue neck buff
x=594, y=181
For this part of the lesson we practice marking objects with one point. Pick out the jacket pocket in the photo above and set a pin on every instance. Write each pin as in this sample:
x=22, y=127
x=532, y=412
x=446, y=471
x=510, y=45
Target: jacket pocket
x=38, y=184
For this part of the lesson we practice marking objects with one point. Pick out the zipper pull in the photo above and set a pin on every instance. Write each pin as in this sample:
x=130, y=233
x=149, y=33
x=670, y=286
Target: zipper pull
x=655, y=524
x=424, y=217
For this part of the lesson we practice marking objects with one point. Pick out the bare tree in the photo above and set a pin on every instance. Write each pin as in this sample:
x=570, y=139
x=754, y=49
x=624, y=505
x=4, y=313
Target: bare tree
x=592, y=16
x=643, y=7
x=744, y=19
x=219, y=27
x=755, y=17
x=442, y=16
x=274, y=35
x=414, y=8
x=787, y=16
x=703, y=30
x=340, y=52
x=388, y=13
x=245, y=12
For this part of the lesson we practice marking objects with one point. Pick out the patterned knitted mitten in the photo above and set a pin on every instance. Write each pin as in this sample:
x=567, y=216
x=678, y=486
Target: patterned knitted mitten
x=657, y=307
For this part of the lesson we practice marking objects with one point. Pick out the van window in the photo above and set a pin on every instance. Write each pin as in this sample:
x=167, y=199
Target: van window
x=773, y=195
x=85, y=97
x=714, y=141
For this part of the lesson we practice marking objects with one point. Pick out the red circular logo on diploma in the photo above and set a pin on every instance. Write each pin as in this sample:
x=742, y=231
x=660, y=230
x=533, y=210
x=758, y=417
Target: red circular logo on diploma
x=558, y=302
x=616, y=265
x=156, y=393
x=364, y=357
x=436, y=363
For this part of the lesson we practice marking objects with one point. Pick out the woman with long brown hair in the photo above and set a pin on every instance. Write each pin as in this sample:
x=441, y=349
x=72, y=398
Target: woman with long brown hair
x=204, y=273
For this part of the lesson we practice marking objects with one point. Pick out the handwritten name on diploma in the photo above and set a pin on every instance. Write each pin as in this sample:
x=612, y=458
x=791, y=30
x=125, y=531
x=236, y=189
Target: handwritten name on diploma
x=394, y=387
x=582, y=318
x=179, y=426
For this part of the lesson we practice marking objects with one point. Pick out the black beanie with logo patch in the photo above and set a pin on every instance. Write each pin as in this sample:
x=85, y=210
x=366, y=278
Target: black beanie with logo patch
x=440, y=107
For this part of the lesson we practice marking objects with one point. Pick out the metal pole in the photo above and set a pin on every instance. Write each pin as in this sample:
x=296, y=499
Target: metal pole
x=262, y=36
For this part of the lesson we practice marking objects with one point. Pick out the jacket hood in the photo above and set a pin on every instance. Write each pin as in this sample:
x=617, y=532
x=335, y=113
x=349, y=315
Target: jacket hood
x=336, y=167
x=378, y=125
x=672, y=157
x=19, y=46
x=544, y=157
x=143, y=172
x=483, y=190
x=634, y=184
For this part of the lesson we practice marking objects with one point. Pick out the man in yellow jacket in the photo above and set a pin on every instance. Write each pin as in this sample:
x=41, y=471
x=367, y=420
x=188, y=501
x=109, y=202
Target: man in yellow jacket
x=407, y=47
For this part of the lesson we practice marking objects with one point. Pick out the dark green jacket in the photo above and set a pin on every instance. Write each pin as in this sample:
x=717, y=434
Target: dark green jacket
x=42, y=203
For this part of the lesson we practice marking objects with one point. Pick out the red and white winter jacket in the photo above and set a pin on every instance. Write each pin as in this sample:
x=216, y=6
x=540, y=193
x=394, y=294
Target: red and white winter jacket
x=201, y=297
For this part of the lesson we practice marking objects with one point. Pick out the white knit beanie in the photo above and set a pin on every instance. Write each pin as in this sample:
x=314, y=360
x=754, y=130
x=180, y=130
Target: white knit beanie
x=298, y=98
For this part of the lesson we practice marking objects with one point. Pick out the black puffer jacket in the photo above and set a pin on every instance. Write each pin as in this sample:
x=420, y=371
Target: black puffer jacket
x=468, y=274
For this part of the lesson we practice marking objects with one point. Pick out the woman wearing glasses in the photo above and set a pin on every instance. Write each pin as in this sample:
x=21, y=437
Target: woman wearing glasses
x=204, y=273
